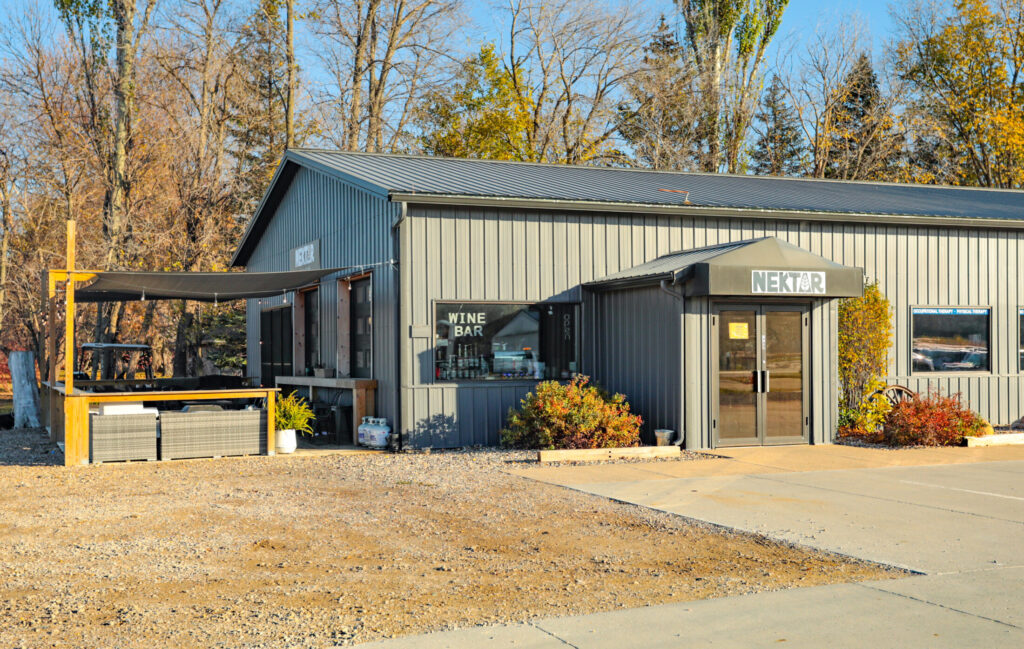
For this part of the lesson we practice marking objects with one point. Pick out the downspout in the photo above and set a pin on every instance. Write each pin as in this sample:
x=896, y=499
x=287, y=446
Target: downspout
x=664, y=285
x=396, y=251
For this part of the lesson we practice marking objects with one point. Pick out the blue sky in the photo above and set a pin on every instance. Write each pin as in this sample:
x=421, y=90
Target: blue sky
x=801, y=16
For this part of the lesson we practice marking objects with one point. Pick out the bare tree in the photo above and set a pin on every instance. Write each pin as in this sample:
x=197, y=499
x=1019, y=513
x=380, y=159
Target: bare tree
x=816, y=85
x=381, y=55
x=570, y=60
x=728, y=41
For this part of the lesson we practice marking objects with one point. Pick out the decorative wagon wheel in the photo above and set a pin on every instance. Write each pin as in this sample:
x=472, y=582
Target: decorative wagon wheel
x=896, y=394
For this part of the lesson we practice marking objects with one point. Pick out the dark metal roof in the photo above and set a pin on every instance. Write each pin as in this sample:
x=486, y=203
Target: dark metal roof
x=395, y=174
x=669, y=266
x=531, y=185
x=725, y=269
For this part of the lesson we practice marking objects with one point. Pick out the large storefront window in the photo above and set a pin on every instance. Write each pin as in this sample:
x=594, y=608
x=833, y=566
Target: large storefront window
x=475, y=341
x=950, y=340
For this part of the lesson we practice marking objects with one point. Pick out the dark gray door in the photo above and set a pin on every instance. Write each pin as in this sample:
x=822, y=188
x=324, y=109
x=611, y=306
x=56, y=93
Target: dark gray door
x=275, y=344
x=760, y=382
x=361, y=328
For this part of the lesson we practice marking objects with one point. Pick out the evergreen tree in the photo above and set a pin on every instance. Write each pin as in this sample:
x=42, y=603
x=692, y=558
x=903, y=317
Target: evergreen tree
x=659, y=118
x=259, y=102
x=779, y=150
x=863, y=143
x=479, y=115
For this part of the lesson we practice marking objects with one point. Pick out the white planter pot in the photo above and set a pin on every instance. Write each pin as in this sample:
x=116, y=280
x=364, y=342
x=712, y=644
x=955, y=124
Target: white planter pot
x=285, y=442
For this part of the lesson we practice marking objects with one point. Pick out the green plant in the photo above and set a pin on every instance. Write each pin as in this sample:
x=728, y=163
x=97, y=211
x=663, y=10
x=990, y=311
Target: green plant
x=865, y=421
x=865, y=337
x=930, y=420
x=293, y=412
x=574, y=415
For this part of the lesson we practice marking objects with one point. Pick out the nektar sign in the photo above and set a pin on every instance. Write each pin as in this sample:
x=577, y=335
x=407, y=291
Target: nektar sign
x=787, y=282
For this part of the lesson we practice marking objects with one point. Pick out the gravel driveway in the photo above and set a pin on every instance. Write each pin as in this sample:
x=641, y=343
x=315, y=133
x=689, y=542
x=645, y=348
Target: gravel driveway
x=335, y=550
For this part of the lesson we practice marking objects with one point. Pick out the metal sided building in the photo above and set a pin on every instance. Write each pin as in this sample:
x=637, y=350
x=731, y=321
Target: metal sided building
x=709, y=300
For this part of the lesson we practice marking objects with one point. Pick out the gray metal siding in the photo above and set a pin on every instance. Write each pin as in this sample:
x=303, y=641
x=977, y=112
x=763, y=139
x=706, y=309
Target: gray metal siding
x=634, y=345
x=354, y=228
x=465, y=253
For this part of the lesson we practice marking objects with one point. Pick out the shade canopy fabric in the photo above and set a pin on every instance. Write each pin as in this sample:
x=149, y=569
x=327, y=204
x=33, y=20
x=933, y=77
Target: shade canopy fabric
x=123, y=286
x=765, y=267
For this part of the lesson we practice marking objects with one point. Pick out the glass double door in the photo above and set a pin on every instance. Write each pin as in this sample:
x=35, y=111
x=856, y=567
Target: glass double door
x=760, y=379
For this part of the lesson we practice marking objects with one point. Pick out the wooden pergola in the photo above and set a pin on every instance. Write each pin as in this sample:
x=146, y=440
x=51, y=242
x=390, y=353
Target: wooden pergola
x=67, y=407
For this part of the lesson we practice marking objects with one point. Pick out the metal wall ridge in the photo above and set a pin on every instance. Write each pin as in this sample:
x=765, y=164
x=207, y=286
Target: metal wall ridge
x=556, y=205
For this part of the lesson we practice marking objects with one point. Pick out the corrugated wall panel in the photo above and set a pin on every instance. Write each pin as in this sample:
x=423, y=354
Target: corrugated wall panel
x=545, y=256
x=354, y=228
x=635, y=347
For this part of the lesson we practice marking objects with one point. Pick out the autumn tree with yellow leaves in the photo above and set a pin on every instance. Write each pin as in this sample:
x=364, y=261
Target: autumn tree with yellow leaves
x=964, y=66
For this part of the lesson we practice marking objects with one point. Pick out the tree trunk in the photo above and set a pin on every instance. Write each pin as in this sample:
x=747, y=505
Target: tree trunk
x=182, y=345
x=124, y=110
x=25, y=389
x=289, y=115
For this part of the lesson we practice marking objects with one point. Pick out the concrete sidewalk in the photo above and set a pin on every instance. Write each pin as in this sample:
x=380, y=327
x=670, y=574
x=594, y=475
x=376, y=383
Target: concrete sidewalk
x=957, y=514
x=869, y=615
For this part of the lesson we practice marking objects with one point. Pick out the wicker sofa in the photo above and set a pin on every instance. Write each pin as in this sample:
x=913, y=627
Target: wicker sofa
x=122, y=437
x=212, y=433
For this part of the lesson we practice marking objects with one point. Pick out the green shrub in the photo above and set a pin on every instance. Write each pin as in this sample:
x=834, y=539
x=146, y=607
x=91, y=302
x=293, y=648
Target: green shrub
x=574, y=415
x=930, y=420
x=293, y=412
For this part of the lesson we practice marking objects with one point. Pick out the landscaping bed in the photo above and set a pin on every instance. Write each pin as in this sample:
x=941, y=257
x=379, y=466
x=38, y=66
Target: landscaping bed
x=336, y=550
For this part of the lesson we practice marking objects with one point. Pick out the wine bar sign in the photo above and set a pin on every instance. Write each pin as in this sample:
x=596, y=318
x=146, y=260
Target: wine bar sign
x=787, y=282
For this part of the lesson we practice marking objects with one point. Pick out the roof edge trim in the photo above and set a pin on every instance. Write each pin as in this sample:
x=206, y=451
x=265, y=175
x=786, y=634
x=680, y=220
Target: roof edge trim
x=695, y=210
x=285, y=172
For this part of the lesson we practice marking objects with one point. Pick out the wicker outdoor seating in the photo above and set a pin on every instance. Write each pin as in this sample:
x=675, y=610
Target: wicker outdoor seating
x=212, y=433
x=118, y=438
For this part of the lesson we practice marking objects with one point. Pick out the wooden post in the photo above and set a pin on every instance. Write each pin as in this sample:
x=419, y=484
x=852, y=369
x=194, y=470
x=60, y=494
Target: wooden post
x=76, y=422
x=363, y=405
x=271, y=423
x=69, y=308
x=76, y=430
x=51, y=355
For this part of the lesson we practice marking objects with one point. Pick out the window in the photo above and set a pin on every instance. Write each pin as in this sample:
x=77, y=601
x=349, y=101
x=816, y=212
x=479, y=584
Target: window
x=950, y=340
x=1020, y=332
x=475, y=341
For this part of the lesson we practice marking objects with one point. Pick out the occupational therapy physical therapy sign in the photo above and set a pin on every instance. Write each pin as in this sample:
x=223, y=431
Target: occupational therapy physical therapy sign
x=787, y=282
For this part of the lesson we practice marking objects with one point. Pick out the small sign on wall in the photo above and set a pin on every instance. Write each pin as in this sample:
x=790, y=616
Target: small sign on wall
x=787, y=282
x=306, y=256
x=739, y=331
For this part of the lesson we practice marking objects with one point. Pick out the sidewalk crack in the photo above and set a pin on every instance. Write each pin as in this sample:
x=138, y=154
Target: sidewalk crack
x=931, y=603
x=562, y=640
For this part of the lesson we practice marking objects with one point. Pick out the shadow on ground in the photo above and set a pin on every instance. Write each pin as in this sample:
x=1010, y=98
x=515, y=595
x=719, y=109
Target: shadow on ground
x=28, y=447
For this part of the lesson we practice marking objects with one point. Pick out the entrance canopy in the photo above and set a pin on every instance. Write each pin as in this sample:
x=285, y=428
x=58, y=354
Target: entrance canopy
x=766, y=267
x=122, y=286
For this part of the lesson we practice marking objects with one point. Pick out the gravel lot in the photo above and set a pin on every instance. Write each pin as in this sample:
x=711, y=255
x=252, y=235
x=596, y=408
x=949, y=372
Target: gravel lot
x=335, y=550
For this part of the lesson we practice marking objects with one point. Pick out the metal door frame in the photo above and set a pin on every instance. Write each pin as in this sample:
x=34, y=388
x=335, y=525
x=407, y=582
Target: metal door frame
x=760, y=308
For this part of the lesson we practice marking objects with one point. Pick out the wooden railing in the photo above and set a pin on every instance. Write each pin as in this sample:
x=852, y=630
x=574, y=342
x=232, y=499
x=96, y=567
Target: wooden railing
x=67, y=415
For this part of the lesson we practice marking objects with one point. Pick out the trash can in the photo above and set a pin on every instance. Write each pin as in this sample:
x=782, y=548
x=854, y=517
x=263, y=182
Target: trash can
x=663, y=436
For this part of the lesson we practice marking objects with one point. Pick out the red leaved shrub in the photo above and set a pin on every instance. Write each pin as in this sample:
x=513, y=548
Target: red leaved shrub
x=574, y=415
x=930, y=420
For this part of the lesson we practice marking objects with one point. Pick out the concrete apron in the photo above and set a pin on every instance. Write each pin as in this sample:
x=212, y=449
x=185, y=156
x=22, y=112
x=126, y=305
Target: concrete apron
x=928, y=510
x=955, y=514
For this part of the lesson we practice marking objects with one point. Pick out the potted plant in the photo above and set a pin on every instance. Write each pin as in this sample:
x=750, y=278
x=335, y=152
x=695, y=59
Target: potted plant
x=292, y=415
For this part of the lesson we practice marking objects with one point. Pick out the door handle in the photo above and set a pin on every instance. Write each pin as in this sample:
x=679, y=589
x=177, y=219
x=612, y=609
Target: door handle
x=766, y=382
x=756, y=381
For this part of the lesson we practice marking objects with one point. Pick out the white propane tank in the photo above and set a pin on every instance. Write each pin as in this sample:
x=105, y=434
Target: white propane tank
x=377, y=434
x=363, y=435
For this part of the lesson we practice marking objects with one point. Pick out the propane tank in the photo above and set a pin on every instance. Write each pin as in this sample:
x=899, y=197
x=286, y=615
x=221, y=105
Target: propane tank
x=363, y=436
x=381, y=433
